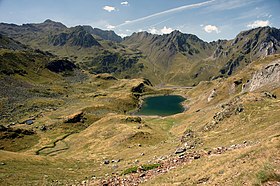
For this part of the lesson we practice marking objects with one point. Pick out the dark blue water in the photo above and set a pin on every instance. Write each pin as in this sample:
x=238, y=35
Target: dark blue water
x=162, y=105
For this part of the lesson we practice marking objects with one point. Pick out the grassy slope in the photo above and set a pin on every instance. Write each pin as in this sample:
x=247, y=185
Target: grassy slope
x=114, y=138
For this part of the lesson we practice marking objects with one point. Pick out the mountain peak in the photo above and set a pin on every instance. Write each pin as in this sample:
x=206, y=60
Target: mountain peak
x=49, y=25
x=49, y=21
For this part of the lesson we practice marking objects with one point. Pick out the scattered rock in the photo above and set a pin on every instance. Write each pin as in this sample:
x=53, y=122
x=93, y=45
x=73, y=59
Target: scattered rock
x=238, y=82
x=135, y=119
x=180, y=150
x=232, y=107
x=43, y=128
x=116, y=161
x=2, y=163
x=187, y=135
x=202, y=180
x=269, y=95
x=106, y=162
x=212, y=95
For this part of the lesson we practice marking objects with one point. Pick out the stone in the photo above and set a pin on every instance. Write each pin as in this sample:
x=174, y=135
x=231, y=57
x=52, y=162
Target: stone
x=43, y=128
x=269, y=95
x=212, y=95
x=135, y=119
x=106, y=162
x=116, y=161
x=196, y=156
x=29, y=122
x=180, y=150
x=74, y=118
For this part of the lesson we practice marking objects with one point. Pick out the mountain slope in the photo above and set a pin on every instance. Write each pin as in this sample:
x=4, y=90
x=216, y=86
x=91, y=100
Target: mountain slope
x=185, y=59
x=175, y=58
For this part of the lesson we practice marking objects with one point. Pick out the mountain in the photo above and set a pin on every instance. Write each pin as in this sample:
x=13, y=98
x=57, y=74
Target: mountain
x=103, y=34
x=63, y=118
x=8, y=43
x=179, y=58
x=76, y=36
x=246, y=47
x=170, y=58
x=175, y=58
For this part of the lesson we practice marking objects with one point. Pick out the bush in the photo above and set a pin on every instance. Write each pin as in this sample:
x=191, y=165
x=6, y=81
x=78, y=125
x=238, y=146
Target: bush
x=267, y=174
x=150, y=166
x=130, y=170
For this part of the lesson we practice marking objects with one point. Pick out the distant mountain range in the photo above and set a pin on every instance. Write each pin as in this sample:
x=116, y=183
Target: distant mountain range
x=175, y=58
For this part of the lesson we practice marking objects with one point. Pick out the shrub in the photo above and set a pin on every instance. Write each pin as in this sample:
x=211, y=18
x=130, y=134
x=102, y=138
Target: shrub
x=150, y=166
x=130, y=170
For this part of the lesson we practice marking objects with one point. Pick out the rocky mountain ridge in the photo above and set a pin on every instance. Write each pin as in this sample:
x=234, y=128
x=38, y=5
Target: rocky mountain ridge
x=175, y=58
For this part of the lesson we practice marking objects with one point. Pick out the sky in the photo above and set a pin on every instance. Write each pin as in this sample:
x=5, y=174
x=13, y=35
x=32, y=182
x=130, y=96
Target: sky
x=208, y=19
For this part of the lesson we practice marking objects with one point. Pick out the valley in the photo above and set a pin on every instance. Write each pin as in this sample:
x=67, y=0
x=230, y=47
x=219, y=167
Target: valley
x=67, y=96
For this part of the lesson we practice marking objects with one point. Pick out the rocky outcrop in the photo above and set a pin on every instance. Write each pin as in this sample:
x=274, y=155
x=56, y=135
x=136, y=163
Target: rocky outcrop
x=106, y=76
x=103, y=34
x=74, y=118
x=78, y=36
x=212, y=95
x=11, y=133
x=233, y=107
x=268, y=76
x=60, y=66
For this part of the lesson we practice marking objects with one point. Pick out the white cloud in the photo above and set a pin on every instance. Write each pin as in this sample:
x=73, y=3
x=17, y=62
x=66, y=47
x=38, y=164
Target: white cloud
x=258, y=23
x=163, y=30
x=211, y=28
x=166, y=30
x=109, y=8
x=123, y=35
x=153, y=31
x=173, y=10
x=110, y=27
x=124, y=3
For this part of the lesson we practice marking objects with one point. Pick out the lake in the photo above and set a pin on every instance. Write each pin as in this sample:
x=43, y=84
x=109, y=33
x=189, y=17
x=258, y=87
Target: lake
x=162, y=105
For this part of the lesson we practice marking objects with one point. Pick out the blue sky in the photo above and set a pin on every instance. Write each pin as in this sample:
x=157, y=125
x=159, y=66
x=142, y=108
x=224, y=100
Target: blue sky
x=208, y=19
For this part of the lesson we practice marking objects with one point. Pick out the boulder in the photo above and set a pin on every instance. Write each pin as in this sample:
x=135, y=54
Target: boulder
x=58, y=66
x=74, y=118
x=29, y=122
x=135, y=119
x=212, y=95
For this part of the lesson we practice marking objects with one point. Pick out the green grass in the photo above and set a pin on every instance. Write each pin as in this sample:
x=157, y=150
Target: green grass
x=130, y=170
x=144, y=167
x=267, y=174
x=147, y=167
